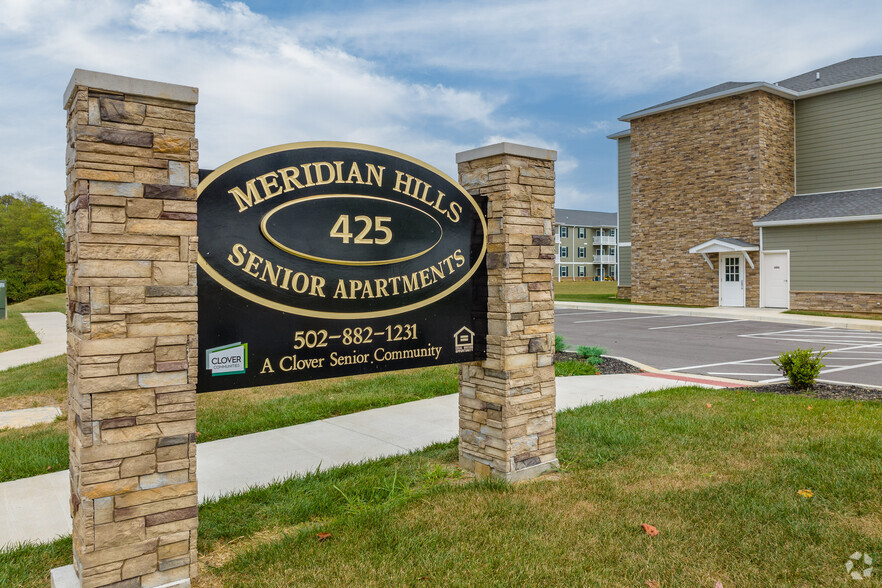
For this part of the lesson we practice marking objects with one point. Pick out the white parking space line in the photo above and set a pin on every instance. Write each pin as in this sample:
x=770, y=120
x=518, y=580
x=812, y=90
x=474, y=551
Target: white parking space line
x=630, y=318
x=698, y=324
x=747, y=361
x=735, y=374
x=849, y=383
x=558, y=313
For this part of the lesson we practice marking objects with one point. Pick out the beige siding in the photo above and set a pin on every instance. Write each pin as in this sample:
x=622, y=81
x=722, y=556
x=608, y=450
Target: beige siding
x=840, y=257
x=624, y=189
x=839, y=141
x=624, y=261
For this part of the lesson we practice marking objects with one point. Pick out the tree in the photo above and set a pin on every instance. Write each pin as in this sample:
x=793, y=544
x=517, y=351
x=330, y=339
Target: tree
x=31, y=247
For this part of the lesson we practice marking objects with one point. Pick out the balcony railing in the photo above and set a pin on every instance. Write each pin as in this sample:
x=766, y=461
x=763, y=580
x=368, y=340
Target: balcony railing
x=604, y=259
x=604, y=240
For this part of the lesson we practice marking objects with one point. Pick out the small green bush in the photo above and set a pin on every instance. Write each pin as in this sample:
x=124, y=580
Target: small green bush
x=587, y=352
x=560, y=344
x=801, y=366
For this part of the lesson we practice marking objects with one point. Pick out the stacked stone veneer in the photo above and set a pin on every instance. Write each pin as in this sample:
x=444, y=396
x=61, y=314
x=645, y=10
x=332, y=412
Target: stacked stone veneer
x=131, y=247
x=701, y=172
x=837, y=301
x=507, y=403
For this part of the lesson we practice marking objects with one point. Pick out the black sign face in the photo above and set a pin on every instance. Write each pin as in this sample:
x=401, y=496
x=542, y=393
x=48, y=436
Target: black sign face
x=319, y=260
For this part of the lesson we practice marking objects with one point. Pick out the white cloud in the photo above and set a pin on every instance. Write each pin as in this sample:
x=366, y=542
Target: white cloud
x=258, y=85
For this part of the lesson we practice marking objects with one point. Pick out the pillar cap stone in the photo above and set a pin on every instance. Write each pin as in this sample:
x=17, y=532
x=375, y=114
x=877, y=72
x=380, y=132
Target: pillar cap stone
x=506, y=149
x=133, y=86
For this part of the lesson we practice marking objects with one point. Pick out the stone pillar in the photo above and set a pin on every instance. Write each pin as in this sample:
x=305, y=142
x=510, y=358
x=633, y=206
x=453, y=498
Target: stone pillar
x=507, y=402
x=132, y=173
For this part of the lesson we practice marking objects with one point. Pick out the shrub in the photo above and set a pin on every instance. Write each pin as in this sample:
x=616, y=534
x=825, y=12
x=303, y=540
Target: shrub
x=560, y=344
x=591, y=354
x=801, y=366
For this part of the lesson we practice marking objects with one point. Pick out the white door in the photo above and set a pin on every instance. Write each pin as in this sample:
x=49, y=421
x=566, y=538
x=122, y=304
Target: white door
x=775, y=277
x=731, y=280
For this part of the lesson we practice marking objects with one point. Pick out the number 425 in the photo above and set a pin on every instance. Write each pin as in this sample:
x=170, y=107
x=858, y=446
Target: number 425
x=340, y=230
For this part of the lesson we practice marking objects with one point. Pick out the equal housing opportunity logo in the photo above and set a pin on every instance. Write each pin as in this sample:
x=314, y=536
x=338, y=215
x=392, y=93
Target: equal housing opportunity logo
x=227, y=359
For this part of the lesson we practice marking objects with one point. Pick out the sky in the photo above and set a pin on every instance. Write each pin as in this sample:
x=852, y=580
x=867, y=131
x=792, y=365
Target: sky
x=428, y=79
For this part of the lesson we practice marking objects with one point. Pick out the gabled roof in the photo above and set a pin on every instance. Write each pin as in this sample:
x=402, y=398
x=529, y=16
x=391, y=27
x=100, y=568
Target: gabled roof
x=838, y=73
x=584, y=218
x=831, y=78
x=724, y=245
x=828, y=207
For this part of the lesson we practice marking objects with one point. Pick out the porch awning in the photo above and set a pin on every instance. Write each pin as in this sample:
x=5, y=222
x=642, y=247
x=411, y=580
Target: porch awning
x=724, y=245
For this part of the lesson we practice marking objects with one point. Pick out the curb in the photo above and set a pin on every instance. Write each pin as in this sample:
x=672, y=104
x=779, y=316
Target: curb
x=751, y=314
x=698, y=379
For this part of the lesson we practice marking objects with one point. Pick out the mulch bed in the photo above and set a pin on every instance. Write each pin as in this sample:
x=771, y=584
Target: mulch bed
x=608, y=366
x=821, y=390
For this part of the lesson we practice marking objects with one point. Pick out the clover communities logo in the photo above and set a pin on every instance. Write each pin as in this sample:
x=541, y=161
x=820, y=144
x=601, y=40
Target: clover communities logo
x=227, y=359
x=859, y=566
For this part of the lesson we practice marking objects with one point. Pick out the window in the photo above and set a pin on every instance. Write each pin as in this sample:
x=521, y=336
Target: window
x=581, y=252
x=581, y=232
x=612, y=232
x=612, y=250
x=598, y=232
x=597, y=251
x=564, y=232
x=581, y=271
x=564, y=271
x=564, y=251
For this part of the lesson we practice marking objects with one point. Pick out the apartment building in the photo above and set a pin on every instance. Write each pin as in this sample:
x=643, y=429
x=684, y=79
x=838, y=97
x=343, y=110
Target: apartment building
x=586, y=244
x=757, y=194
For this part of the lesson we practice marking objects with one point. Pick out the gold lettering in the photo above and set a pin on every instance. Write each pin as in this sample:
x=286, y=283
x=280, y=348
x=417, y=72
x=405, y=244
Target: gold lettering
x=394, y=281
x=437, y=273
x=246, y=199
x=267, y=367
x=317, y=287
x=399, y=183
x=354, y=286
x=457, y=256
x=424, y=278
x=252, y=264
x=340, y=292
x=319, y=179
x=339, y=166
x=287, y=277
x=380, y=285
x=268, y=269
x=455, y=209
x=270, y=185
x=296, y=283
x=289, y=178
x=282, y=363
x=239, y=251
x=372, y=171
x=367, y=292
x=353, y=171
x=309, y=182
x=437, y=205
x=410, y=282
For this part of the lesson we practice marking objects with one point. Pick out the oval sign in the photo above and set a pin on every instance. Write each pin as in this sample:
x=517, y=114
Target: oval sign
x=380, y=231
x=337, y=230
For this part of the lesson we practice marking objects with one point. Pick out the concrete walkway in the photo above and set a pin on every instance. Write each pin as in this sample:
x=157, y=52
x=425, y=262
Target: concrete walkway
x=768, y=315
x=36, y=509
x=51, y=330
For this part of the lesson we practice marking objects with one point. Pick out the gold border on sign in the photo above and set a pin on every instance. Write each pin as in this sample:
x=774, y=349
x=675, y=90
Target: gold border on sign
x=337, y=315
x=275, y=242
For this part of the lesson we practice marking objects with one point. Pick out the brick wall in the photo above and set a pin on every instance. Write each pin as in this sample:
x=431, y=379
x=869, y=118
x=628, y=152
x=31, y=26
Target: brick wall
x=701, y=172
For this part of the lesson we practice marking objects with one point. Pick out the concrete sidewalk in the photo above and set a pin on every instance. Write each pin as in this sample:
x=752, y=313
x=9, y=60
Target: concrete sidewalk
x=36, y=509
x=51, y=330
x=766, y=315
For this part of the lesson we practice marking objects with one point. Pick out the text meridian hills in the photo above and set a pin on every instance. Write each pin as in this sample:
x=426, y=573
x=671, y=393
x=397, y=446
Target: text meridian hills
x=266, y=186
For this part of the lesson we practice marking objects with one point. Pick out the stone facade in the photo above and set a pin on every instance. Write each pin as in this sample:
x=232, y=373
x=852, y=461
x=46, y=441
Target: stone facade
x=132, y=173
x=507, y=402
x=623, y=292
x=870, y=302
x=700, y=172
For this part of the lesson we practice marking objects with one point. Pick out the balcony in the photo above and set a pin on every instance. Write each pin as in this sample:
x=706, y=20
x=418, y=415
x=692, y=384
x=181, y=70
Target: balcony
x=604, y=259
x=604, y=240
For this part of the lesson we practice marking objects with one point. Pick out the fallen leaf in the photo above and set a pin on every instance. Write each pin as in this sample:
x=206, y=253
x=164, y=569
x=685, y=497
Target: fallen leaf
x=718, y=585
x=653, y=584
x=649, y=530
x=709, y=405
x=806, y=493
x=753, y=399
x=323, y=536
x=809, y=407
x=48, y=468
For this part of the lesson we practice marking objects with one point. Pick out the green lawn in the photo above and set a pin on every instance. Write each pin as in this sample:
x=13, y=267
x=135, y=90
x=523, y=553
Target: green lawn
x=720, y=482
x=37, y=450
x=586, y=291
x=14, y=331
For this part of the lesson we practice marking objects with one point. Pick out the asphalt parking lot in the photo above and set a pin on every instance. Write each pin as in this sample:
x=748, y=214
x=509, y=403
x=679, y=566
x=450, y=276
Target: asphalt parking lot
x=730, y=348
